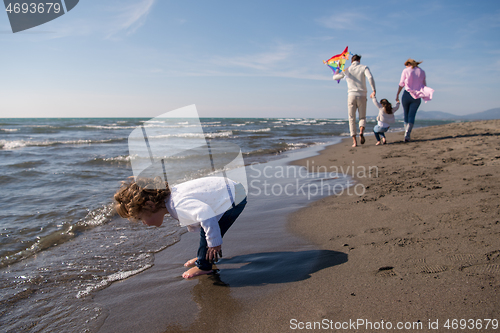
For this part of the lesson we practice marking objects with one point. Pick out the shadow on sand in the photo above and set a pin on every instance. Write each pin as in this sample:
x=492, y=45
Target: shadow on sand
x=274, y=267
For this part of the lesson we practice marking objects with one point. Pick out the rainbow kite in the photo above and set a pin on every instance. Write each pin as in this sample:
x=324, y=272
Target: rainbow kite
x=337, y=62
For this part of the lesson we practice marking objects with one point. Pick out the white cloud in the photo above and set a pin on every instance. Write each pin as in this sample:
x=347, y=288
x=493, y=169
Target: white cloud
x=344, y=21
x=119, y=16
x=259, y=61
x=131, y=16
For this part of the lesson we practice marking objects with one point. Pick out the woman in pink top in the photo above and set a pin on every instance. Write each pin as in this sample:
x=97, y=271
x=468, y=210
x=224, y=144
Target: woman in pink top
x=413, y=80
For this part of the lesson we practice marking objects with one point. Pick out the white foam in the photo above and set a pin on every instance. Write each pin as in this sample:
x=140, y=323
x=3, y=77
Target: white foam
x=257, y=130
x=9, y=145
x=123, y=158
x=193, y=135
x=110, y=279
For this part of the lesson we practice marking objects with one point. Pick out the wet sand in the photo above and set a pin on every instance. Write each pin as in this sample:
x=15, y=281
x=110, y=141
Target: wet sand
x=421, y=245
x=260, y=258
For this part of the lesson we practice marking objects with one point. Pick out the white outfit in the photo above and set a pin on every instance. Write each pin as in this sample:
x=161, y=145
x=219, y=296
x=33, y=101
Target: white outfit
x=202, y=202
x=356, y=76
x=384, y=119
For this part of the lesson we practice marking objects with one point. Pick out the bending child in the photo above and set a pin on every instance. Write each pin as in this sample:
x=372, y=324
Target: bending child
x=384, y=119
x=210, y=205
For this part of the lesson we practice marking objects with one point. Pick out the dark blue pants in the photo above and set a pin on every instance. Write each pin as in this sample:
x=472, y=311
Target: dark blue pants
x=380, y=131
x=410, y=106
x=225, y=222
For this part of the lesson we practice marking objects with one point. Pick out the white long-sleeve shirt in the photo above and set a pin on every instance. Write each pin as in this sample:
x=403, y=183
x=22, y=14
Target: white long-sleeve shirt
x=384, y=119
x=202, y=202
x=356, y=76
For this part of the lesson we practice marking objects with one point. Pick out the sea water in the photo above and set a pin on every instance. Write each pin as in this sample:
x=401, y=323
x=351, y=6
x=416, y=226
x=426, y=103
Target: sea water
x=60, y=240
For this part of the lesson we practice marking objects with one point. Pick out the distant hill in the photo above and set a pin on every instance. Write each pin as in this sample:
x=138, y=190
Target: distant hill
x=485, y=115
x=439, y=115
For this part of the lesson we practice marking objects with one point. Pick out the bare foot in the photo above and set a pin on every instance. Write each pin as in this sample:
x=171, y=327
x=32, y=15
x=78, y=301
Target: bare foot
x=361, y=138
x=195, y=271
x=383, y=141
x=190, y=263
x=378, y=143
x=354, y=142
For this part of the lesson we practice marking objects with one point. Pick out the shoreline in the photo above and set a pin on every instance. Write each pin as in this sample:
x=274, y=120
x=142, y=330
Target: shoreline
x=380, y=256
x=256, y=246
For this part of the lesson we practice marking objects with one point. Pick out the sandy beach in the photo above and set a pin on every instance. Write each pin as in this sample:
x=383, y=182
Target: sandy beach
x=423, y=241
x=415, y=243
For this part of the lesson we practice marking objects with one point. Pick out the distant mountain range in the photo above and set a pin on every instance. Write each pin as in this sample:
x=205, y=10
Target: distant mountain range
x=439, y=115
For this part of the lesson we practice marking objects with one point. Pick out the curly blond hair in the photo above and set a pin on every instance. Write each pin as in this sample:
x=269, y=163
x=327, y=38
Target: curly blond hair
x=131, y=197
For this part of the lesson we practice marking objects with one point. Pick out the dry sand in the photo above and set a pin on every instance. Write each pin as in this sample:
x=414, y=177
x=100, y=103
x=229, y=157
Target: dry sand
x=423, y=242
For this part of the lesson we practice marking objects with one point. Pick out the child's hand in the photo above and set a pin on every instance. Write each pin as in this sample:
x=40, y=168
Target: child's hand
x=214, y=253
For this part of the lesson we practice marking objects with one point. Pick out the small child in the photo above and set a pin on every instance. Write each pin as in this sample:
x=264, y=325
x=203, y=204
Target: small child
x=385, y=118
x=213, y=203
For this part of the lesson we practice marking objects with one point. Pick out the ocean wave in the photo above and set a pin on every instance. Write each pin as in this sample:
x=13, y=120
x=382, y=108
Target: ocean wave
x=122, y=159
x=41, y=126
x=67, y=232
x=9, y=129
x=6, y=179
x=9, y=145
x=193, y=156
x=278, y=149
x=110, y=279
x=298, y=145
x=213, y=125
x=27, y=164
x=256, y=130
x=15, y=144
x=109, y=127
x=193, y=135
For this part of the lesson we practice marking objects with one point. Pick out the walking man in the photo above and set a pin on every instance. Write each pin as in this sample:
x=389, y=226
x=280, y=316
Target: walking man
x=356, y=76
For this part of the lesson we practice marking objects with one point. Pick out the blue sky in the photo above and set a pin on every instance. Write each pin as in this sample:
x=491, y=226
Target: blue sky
x=141, y=58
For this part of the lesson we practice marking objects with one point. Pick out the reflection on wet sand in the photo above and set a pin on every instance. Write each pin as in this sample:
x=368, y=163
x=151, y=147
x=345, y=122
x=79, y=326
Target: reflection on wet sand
x=216, y=294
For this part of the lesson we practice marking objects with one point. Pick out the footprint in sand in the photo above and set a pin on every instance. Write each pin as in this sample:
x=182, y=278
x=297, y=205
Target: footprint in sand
x=385, y=231
x=386, y=272
x=482, y=269
x=465, y=258
x=433, y=269
x=490, y=267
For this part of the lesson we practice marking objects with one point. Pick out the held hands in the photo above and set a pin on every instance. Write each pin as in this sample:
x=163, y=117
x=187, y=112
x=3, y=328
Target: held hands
x=214, y=253
x=372, y=95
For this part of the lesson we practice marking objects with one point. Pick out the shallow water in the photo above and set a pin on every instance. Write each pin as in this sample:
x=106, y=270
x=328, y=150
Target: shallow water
x=59, y=239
